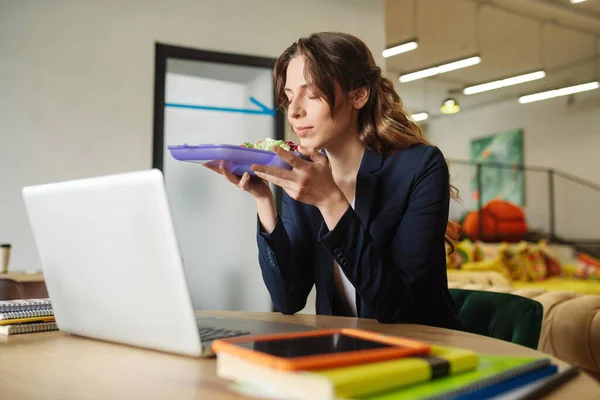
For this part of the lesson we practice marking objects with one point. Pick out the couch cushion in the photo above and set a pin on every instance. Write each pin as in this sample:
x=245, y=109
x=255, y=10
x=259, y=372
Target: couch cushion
x=573, y=285
x=571, y=328
x=486, y=278
x=503, y=316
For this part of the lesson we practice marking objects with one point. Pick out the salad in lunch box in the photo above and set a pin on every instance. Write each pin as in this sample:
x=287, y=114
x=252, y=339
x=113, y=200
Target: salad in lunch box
x=268, y=143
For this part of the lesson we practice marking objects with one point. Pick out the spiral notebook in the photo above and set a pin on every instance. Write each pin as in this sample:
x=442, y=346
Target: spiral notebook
x=24, y=305
x=26, y=314
x=28, y=328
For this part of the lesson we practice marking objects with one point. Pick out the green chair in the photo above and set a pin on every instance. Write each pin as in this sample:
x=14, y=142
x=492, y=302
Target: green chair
x=502, y=316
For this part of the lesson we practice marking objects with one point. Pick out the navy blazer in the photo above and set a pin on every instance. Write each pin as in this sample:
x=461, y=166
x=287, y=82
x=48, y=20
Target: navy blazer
x=390, y=246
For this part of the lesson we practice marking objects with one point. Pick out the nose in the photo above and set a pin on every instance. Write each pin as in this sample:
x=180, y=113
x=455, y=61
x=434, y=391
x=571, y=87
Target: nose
x=296, y=109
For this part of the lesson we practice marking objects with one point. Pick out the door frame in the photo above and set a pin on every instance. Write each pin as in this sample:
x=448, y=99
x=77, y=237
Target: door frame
x=163, y=52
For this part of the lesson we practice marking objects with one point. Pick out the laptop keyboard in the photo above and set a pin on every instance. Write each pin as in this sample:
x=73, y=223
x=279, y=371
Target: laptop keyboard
x=208, y=334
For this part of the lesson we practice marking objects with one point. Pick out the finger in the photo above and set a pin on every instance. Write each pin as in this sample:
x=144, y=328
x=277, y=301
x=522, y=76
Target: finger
x=244, y=181
x=283, y=183
x=315, y=156
x=305, y=151
x=230, y=177
x=288, y=157
x=274, y=171
x=214, y=168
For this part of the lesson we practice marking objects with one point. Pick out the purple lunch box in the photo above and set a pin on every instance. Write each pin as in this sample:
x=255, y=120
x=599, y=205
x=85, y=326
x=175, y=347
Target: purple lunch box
x=237, y=159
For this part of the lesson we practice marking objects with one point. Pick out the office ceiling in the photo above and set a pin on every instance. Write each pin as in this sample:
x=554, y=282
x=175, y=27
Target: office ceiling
x=511, y=36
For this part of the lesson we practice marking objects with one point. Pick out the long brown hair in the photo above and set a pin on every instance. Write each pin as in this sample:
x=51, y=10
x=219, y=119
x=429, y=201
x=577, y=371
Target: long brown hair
x=332, y=58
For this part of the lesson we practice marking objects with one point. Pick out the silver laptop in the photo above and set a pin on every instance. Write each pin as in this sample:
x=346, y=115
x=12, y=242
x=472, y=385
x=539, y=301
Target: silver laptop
x=113, y=269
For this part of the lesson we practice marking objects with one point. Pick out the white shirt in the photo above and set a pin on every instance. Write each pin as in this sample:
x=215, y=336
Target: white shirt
x=344, y=288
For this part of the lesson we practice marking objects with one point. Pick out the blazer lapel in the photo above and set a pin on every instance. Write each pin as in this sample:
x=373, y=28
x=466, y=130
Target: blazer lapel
x=366, y=180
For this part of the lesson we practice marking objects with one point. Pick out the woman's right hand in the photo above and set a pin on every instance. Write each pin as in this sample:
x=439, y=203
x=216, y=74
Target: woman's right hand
x=254, y=185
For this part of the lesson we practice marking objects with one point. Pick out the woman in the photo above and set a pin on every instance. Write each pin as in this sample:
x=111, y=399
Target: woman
x=366, y=223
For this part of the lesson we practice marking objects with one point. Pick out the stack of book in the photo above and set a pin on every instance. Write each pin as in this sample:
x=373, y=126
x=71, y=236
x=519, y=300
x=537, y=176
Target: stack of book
x=465, y=375
x=25, y=316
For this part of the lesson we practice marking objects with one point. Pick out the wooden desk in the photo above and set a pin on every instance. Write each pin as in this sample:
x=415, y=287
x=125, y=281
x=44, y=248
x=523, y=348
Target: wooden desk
x=21, y=276
x=53, y=365
x=24, y=285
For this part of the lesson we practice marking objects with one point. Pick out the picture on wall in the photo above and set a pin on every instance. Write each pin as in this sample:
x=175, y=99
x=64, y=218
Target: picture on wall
x=506, y=183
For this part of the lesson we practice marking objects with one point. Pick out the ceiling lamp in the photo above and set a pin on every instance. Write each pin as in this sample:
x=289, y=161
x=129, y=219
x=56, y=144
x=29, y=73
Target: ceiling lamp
x=400, y=48
x=515, y=80
x=409, y=45
x=559, y=92
x=450, y=106
x=422, y=116
x=440, y=69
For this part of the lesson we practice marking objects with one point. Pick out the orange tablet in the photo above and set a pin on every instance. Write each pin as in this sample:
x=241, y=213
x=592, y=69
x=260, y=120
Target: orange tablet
x=319, y=349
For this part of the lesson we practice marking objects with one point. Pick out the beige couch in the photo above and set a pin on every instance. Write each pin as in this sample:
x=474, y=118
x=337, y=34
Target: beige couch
x=571, y=325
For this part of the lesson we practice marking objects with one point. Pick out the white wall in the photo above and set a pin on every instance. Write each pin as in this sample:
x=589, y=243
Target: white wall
x=556, y=135
x=216, y=222
x=76, y=79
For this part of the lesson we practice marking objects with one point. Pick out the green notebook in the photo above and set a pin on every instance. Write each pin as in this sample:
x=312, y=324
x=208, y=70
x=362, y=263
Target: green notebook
x=491, y=370
x=347, y=382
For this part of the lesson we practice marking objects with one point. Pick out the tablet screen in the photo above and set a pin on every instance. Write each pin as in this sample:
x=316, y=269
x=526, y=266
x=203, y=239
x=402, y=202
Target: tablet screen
x=313, y=345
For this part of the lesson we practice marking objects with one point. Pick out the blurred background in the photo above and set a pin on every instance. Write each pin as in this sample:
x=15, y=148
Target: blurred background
x=535, y=151
x=508, y=89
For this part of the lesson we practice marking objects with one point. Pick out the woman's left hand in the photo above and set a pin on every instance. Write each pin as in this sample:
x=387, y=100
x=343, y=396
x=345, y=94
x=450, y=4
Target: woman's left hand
x=308, y=182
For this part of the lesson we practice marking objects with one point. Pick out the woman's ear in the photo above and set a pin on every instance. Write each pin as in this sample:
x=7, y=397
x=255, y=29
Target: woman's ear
x=359, y=97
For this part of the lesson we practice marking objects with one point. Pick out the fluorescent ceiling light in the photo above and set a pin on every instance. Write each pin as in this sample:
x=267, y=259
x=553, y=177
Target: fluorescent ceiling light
x=577, y=1
x=400, y=48
x=440, y=69
x=559, y=92
x=515, y=80
x=422, y=116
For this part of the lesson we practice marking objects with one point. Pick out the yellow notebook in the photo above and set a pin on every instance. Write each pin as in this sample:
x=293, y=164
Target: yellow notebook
x=26, y=320
x=26, y=314
x=348, y=382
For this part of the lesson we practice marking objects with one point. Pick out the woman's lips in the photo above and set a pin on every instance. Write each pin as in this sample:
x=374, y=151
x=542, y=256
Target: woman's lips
x=303, y=130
